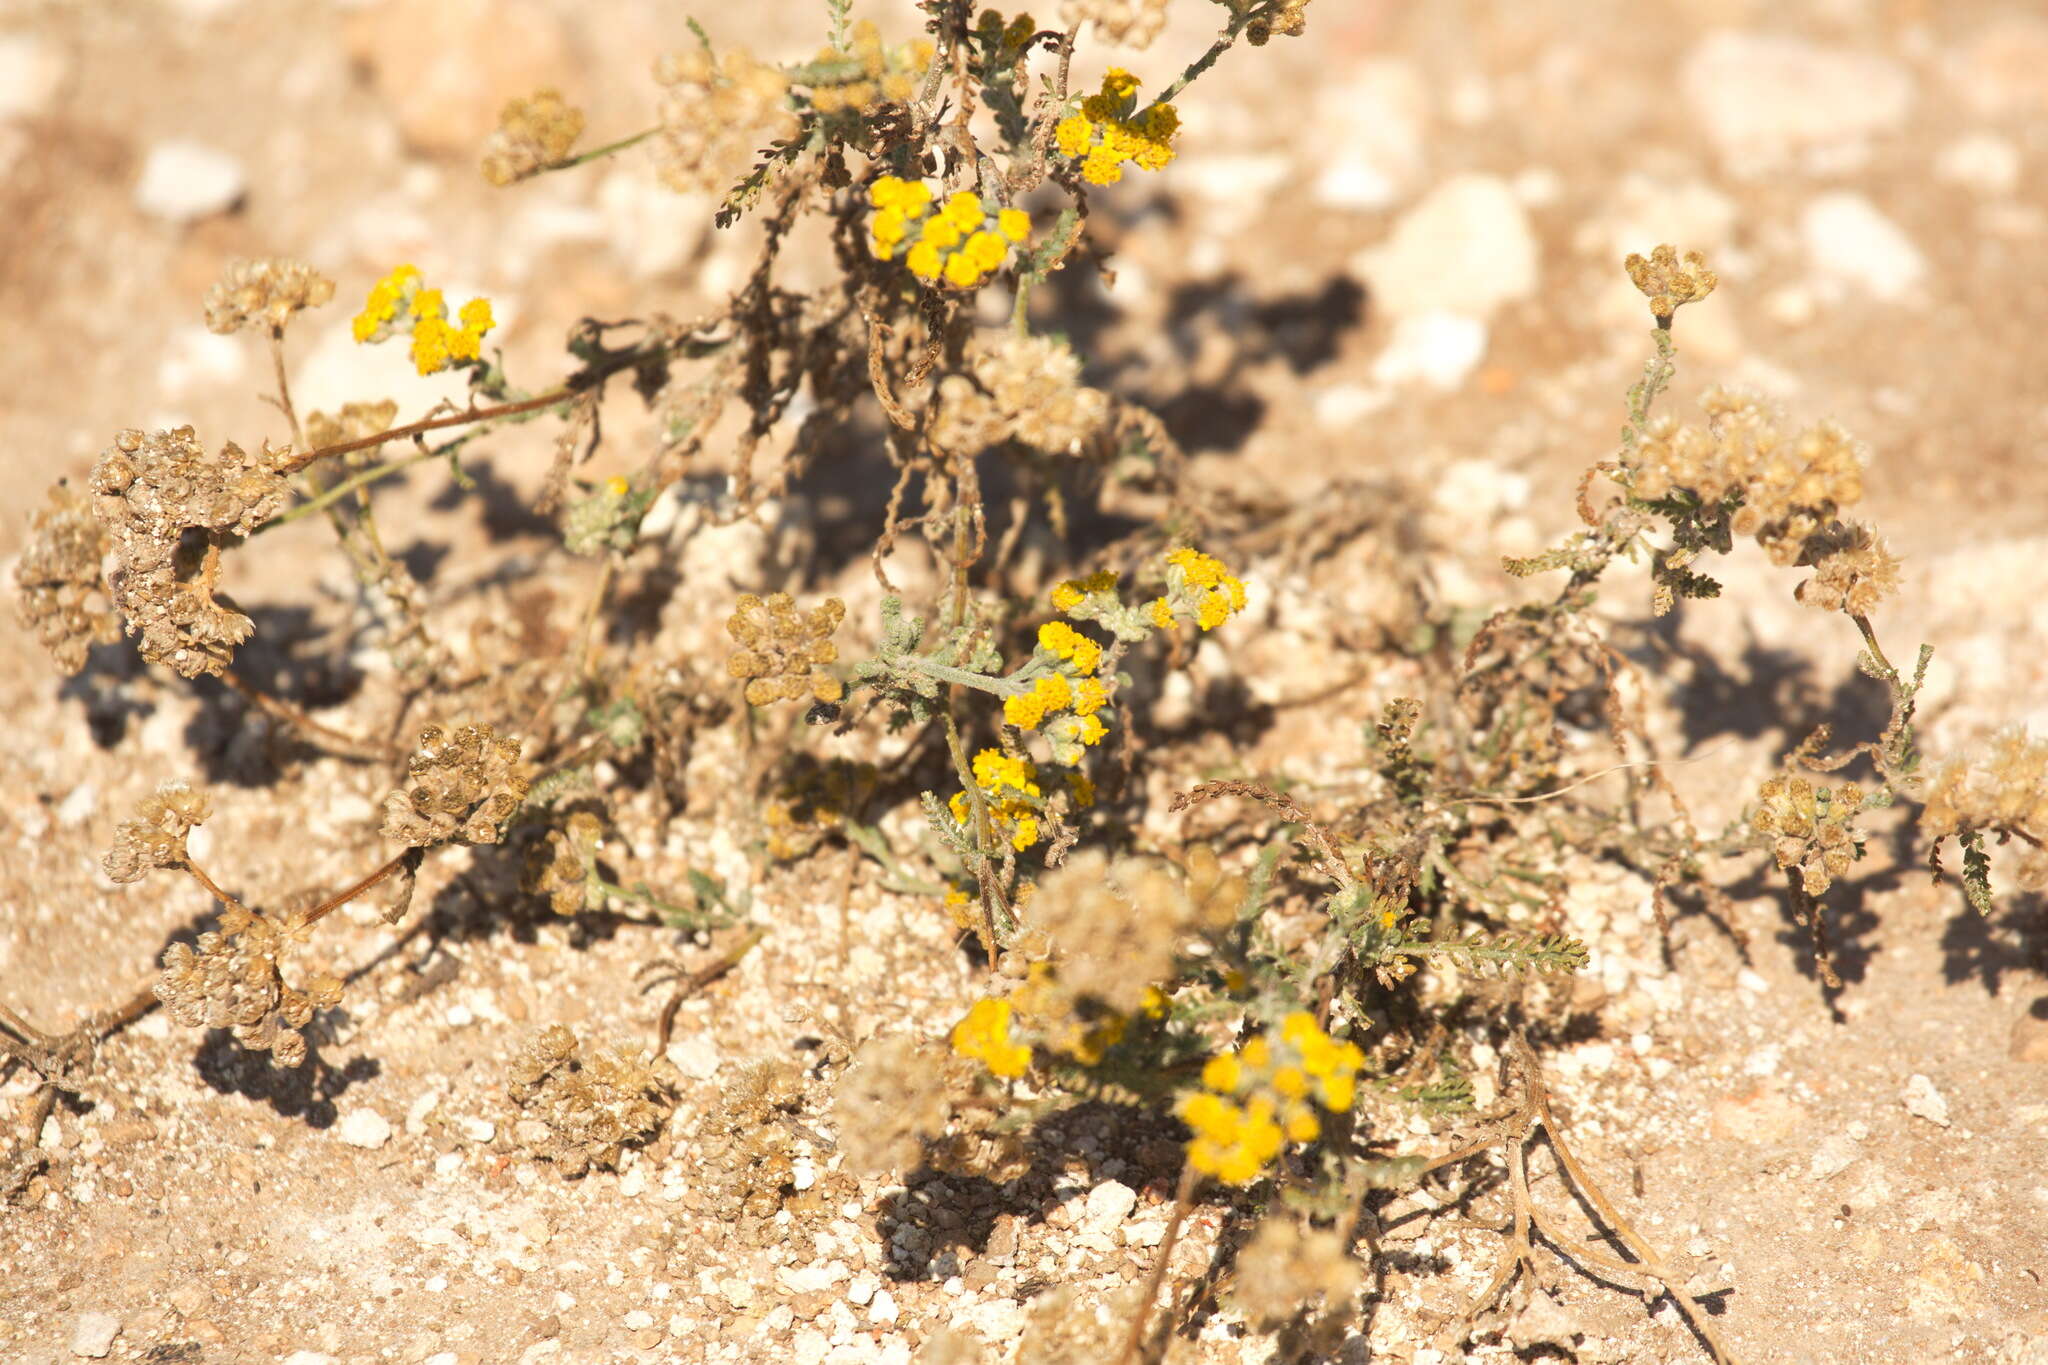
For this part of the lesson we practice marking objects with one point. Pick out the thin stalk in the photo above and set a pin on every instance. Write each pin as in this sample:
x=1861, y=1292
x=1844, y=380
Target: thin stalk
x=594, y=153
x=343, y=897
x=1183, y=1204
x=359, y=480
x=345, y=744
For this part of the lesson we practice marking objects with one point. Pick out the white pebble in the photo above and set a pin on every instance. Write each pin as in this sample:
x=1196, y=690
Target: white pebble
x=183, y=181
x=1984, y=163
x=882, y=1308
x=94, y=1334
x=639, y=1320
x=1851, y=242
x=479, y=1130
x=1923, y=1101
x=32, y=69
x=1436, y=349
x=364, y=1128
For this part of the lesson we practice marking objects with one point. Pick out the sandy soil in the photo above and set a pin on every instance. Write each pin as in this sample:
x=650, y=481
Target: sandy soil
x=1864, y=1175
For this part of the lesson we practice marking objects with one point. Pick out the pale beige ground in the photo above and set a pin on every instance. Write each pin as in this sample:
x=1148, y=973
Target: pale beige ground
x=210, y=1206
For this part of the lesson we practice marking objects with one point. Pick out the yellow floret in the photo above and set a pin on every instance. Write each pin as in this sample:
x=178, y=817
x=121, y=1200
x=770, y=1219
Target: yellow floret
x=428, y=303
x=889, y=227
x=985, y=1034
x=924, y=261
x=1118, y=83
x=961, y=272
x=1101, y=168
x=1074, y=134
x=617, y=486
x=1162, y=613
x=1014, y=224
x=964, y=210
x=940, y=232
x=476, y=316
x=430, y=338
x=1083, y=789
x=1067, y=596
x=1090, y=696
x=1303, y=1126
x=986, y=250
x=1222, y=1073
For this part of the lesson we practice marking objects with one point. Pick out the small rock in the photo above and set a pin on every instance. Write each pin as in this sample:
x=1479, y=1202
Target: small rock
x=93, y=1335
x=1831, y=1157
x=364, y=1128
x=1923, y=1101
x=639, y=1320
x=184, y=181
x=882, y=1308
x=1376, y=124
x=80, y=806
x=1983, y=163
x=478, y=1130
x=1436, y=349
x=1851, y=242
x=1762, y=98
x=1108, y=1205
x=1467, y=248
x=2029, y=1041
x=1545, y=1322
x=32, y=70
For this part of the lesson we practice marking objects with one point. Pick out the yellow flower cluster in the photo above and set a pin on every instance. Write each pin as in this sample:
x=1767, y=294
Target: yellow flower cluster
x=1107, y=132
x=1074, y=591
x=1200, y=584
x=961, y=243
x=1254, y=1101
x=398, y=302
x=997, y=773
x=1063, y=641
x=985, y=1034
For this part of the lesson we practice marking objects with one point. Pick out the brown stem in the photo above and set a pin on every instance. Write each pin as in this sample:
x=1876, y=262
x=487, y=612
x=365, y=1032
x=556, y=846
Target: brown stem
x=284, y=388
x=1183, y=1203
x=341, y=898
x=456, y=419
x=212, y=887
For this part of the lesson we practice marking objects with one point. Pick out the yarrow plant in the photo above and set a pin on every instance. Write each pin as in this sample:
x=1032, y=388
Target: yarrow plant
x=1265, y=986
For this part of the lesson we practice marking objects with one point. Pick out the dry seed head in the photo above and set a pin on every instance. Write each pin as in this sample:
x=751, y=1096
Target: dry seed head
x=230, y=980
x=783, y=652
x=264, y=293
x=715, y=116
x=465, y=785
x=583, y=1111
x=2005, y=787
x=559, y=866
x=532, y=133
x=1671, y=281
x=170, y=509
x=1286, y=1267
x=1127, y=23
x=1813, y=828
x=1024, y=389
x=354, y=422
x=1289, y=21
x=156, y=837
x=1853, y=571
x=1115, y=928
x=891, y=1102
x=61, y=595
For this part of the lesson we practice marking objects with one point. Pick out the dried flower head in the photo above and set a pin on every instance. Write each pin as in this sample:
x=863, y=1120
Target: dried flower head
x=1813, y=828
x=562, y=866
x=231, y=980
x=170, y=510
x=2005, y=787
x=1853, y=571
x=465, y=785
x=583, y=1111
x=1116, y=927
x=1671, y=281
x=715, y=115
x=1065, y=1327
x=156, y=837
x=1025, y=389
x=1128, y=23
x=532, y=134
x=890, y=1103
x=746, y=1144
x=264, y=293
x=866, y=76
x=1287, y=1268
x=61, y=595
x=1289, y=21
x=355, y=422
x=783, y=652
